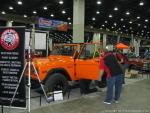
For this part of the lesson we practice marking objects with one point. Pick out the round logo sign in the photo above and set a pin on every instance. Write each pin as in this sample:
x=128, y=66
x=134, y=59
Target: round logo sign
x=9, y=39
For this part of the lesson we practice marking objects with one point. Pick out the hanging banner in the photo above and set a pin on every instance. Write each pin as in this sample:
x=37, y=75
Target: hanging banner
x=53, y=24
x=12, y=43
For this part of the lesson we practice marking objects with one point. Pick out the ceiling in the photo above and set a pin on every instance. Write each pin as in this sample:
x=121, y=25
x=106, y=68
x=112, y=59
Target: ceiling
x=130, y=18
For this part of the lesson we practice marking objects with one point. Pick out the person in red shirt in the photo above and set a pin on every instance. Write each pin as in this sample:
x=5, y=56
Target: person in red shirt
x=110, y=65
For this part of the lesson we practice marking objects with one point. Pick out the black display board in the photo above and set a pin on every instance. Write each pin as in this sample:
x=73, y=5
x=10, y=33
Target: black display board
x=11, y=65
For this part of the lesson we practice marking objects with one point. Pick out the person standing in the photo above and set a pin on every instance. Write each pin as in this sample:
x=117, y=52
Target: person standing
x=110, y=65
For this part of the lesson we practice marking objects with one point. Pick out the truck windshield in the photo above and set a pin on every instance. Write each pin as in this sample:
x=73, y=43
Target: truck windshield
x=64, y=50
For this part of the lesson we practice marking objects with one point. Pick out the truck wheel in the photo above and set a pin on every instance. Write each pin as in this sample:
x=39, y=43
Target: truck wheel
x=56, y=82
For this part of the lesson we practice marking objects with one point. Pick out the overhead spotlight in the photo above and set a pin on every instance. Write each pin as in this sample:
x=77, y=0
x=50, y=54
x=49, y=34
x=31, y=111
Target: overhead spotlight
x=103, y=25
x=106, y=22
x=97, y=12
x=146, y=20
x=63, y=12
x=93, y=18
x=34, y=12
x=115, y=24
x=139, y=25
x=52, y=15
x=99, y=2
x=127, y=13
x=69, y=23
x=110, y=16
x=45, y=8
x=141, y=3
x=130, y=22
x=145, y=26
x=138, y=17
x=19, y=2
x=124, y=26
x=3, y=12
x=25, y=16
x=122, y=19
x=11, y=8
x=116, y=8
x=69, y=18
x=61, y=2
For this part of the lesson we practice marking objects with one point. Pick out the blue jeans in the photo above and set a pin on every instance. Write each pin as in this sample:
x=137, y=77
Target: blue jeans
x=111, y=82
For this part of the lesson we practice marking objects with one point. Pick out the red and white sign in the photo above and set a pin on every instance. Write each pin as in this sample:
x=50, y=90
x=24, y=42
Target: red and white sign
x=9, y=39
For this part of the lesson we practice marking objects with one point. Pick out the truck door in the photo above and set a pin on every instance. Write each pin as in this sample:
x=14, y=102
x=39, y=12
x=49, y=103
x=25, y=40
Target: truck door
x=87, y=66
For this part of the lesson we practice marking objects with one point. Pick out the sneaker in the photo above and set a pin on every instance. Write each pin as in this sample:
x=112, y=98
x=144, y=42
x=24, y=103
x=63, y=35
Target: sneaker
x=116, y=102
x=107, y=102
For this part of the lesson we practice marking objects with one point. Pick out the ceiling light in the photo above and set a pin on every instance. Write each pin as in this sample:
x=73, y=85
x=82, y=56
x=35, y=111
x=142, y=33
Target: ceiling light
x=63, y=12
x=103, y=25
x=52, y=15
x=112, y=27
x=139, y=24
x=25, y=16
x=122, y=19
x=130, y=27
x=69, y=23
x=138, y=17
x=45, y=8
x=127, y=13
x=91, y=27
x=115, y=24
x=110, y=16
x=116, y=8
x=146, y=20
x=124, y=26
x=61, y=2
x=130, y=22
x=93, y=18
x=11, y=8
x=145, y=26
x=19, y=2
x=34, y=12
x=99, y=2
x=69, y=18
x=106, y=22
x=141, y=3
x=97, y=12
x=3, y=12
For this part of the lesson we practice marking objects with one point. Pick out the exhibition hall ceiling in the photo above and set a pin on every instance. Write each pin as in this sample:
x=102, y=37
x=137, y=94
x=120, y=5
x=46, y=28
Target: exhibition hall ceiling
x=125, y=16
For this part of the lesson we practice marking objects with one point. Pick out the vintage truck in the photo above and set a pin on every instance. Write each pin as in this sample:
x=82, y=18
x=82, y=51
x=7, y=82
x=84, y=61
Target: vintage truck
x=67, y=62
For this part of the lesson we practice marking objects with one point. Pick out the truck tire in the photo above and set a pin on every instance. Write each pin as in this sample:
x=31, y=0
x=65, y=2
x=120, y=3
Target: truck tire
x=56, y=82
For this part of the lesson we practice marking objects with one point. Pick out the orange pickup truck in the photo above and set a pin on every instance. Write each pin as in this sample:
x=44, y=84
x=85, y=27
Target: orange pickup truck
x=67, y=62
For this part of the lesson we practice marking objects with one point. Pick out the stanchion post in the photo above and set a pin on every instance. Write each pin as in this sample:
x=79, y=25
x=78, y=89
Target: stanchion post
x=29, y=80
